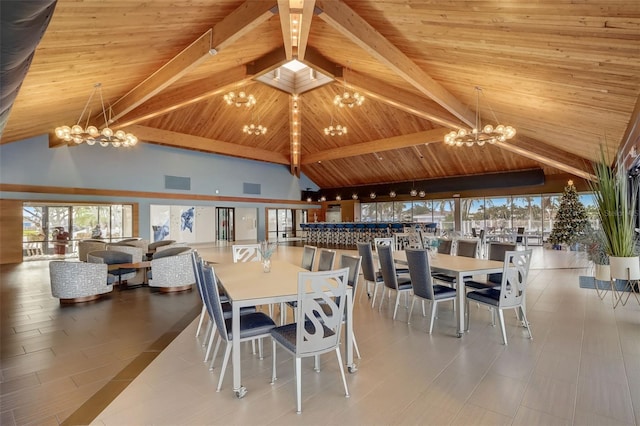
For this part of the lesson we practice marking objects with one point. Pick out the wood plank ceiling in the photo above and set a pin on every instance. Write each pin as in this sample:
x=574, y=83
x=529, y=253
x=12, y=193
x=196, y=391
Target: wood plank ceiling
x=565, y=74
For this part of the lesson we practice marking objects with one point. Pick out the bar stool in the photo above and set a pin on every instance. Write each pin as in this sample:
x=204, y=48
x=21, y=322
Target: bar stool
x=349, y=234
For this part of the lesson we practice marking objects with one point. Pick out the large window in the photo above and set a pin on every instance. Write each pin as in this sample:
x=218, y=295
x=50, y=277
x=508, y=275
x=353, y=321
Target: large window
x=54, y=228
x=498, y=216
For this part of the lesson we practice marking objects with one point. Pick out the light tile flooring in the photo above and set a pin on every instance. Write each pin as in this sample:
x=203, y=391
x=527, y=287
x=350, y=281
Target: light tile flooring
x=583, y=366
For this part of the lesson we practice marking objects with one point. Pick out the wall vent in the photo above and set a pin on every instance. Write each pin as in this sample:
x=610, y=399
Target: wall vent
x=177, y=182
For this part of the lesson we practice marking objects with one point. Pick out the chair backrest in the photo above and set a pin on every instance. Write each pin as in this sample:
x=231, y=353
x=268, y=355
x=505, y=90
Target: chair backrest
x=388, y=241
x=172, y=271
x=318, y=329
x=170, y=251
x=136, y=253
x=87, y=246
x=387, y=266
x=444, y=245
x=154, y=245
x=368, y=268
x=246, y=253
x=354, y=264
x=496, y=252
x=308, y=256
x=212, y=300
x=420, y=273
x=519, y=234
x=474, y=234
x=467, y=248
x=110, y=257
x=326, y=260
x=514, y=278
x=197, y=263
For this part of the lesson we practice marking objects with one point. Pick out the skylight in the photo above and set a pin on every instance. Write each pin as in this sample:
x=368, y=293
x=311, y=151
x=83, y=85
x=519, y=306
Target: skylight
x=295, y=65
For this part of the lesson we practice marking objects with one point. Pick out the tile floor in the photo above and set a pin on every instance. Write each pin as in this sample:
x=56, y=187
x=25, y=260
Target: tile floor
x=582, y=368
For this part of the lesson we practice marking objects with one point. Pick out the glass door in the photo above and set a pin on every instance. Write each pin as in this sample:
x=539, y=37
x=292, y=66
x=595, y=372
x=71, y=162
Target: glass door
x=225, y=217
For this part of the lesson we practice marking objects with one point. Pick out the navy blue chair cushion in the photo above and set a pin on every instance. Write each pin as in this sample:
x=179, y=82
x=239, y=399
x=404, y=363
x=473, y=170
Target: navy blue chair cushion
x=489, y=296
x=251, y=324
x=443, y=292
x=286, y=334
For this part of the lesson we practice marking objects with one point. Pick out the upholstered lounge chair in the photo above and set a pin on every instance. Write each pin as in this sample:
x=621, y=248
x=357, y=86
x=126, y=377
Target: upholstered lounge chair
x=74, y=282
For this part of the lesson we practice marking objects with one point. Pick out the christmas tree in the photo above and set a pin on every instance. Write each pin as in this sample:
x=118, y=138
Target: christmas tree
x=571, y=220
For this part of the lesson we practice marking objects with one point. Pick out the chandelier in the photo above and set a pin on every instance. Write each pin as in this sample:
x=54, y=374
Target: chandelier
x=348, y=99
x=337, y=130
x=90, y=134
x=240, y=99
x=254, y=129
x=480, y=135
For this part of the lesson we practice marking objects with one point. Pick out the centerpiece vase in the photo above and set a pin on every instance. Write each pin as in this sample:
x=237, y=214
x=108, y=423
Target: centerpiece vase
x=266, y=265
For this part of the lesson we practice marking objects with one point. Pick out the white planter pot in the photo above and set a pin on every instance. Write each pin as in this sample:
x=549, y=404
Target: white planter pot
x=603, y=272
x=625, y=268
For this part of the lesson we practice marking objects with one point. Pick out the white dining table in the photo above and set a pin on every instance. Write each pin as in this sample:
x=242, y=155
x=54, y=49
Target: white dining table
x=461, y=267
x=246, y=284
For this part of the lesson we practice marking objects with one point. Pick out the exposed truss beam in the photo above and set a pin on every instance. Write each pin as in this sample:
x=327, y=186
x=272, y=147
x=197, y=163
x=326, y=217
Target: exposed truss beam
x=342, y=18
x=629, y=148
x=179, y=65
x=401, y=99
x=305, y=26
x=550, y=156
x=197, y=143
x=197, y=91
x=380, y=145
x=240, y=22
x=187, y=95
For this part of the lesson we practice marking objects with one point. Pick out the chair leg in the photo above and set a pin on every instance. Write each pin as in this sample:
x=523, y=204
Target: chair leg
x=273, y=366
x=206, y=333
x=316, y=363
x=525, y=322
x=215, y=353
x=413, y=300
x=502, y=327
x=203, y=312
x=344, y=379
x=395, y=309
x=434, y=306
x=375, y=292
x=260, y=355
x=355, y=345
x=209, y=345
x=227, y=352
x=423, y=312
x=298, y=366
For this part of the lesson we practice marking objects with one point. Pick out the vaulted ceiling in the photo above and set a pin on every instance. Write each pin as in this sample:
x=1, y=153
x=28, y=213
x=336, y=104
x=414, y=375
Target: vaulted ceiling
x=565, y=74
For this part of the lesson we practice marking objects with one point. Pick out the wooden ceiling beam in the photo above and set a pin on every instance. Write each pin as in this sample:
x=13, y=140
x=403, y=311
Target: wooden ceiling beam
x=308, y=9
x=179, y=65
x=401, y=99
x=197, y=143
x=285, y=24
x=551, y=156
x=200, y=90
x=380, y=145
x=246, y=18
x=314, y=59
x=240, y=22
x=342, y=18
x=187, y=95
x=629, y=148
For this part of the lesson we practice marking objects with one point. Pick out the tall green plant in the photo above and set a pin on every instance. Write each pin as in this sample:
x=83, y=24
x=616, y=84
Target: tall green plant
x=615, y=207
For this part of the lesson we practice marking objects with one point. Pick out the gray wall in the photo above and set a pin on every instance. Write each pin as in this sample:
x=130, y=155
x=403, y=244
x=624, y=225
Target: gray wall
x=143, y=168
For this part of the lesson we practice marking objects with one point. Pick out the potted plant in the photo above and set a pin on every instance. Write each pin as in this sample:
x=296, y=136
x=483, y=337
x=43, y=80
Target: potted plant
x=593, y=242
x=615, y=204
